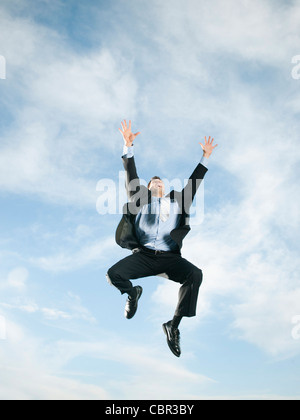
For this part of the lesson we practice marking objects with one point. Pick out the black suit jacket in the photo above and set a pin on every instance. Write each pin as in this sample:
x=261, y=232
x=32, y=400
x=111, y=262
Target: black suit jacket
x=139, y=195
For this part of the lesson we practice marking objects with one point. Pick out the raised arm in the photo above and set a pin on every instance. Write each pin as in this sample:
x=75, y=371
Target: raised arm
x=189, y=191
x=132, y=180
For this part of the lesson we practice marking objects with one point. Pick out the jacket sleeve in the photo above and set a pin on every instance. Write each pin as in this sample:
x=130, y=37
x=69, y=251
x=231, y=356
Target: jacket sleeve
x=137, y=194
x=132, y=181
x=189, y=191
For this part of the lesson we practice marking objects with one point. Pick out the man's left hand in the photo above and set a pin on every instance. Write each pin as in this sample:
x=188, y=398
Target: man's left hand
x=208, y=147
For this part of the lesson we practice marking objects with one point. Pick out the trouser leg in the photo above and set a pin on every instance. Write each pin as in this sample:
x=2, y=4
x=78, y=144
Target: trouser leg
x=178, y=269
x=190, y=278
x=132, y=267
x=188, y=295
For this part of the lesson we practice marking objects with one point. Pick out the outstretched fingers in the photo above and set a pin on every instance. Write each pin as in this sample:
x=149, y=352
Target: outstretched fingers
x=208, y=141
x=124, y=126
x=211, y=144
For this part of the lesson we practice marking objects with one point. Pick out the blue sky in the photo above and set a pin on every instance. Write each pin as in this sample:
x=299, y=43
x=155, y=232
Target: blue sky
x=179, y=70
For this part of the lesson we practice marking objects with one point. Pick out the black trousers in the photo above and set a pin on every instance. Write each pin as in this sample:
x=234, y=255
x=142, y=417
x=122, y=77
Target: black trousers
x=144, y=263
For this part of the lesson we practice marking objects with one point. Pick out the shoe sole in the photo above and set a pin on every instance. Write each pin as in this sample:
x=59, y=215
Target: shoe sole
x=168, y=341
x=137, y=300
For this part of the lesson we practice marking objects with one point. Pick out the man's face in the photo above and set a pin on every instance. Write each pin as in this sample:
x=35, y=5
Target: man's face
x=157, y=187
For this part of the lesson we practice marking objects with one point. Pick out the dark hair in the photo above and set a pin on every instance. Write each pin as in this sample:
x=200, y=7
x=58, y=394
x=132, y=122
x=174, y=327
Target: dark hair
x=154, y=177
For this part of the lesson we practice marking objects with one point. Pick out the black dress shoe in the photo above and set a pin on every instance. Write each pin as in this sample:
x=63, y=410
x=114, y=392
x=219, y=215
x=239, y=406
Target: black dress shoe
x=173, y=338
x=132, y=303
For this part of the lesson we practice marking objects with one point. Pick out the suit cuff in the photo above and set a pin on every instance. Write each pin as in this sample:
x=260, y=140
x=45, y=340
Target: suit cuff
x=204, y=161
x=128, y=151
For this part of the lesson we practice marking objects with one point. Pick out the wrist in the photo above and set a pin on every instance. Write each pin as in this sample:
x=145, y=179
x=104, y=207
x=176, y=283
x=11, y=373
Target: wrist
x=206, y=155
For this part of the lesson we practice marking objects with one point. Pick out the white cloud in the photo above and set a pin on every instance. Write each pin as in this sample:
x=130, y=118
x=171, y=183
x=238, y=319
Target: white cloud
x=35, y=369
x=17, y=297
x=68, y=103
x=150, y=373
x=16, y=280
x=73, y=260
x=237, y=29
x=265, y=320
x=27, y=374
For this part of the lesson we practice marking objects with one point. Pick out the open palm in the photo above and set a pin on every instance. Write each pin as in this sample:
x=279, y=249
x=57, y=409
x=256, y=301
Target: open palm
x=208, y=146
x=127, y=134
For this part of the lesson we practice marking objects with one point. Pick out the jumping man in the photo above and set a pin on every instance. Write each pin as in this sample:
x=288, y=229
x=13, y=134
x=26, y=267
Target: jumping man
x=153, y=227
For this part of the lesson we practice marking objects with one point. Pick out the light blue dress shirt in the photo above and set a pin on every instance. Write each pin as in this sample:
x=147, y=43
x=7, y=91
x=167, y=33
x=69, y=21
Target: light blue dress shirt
x=152, y=232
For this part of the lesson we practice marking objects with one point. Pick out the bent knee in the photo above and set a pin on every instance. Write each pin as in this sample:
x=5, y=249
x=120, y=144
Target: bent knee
x=108, y=278
x=197, y=277
x=111, y=275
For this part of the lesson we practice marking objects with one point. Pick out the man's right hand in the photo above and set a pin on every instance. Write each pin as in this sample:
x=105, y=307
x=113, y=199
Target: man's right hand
x=128, y=136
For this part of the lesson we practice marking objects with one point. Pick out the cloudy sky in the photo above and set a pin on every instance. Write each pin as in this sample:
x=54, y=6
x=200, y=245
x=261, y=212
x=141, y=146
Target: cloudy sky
x=179, y=70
